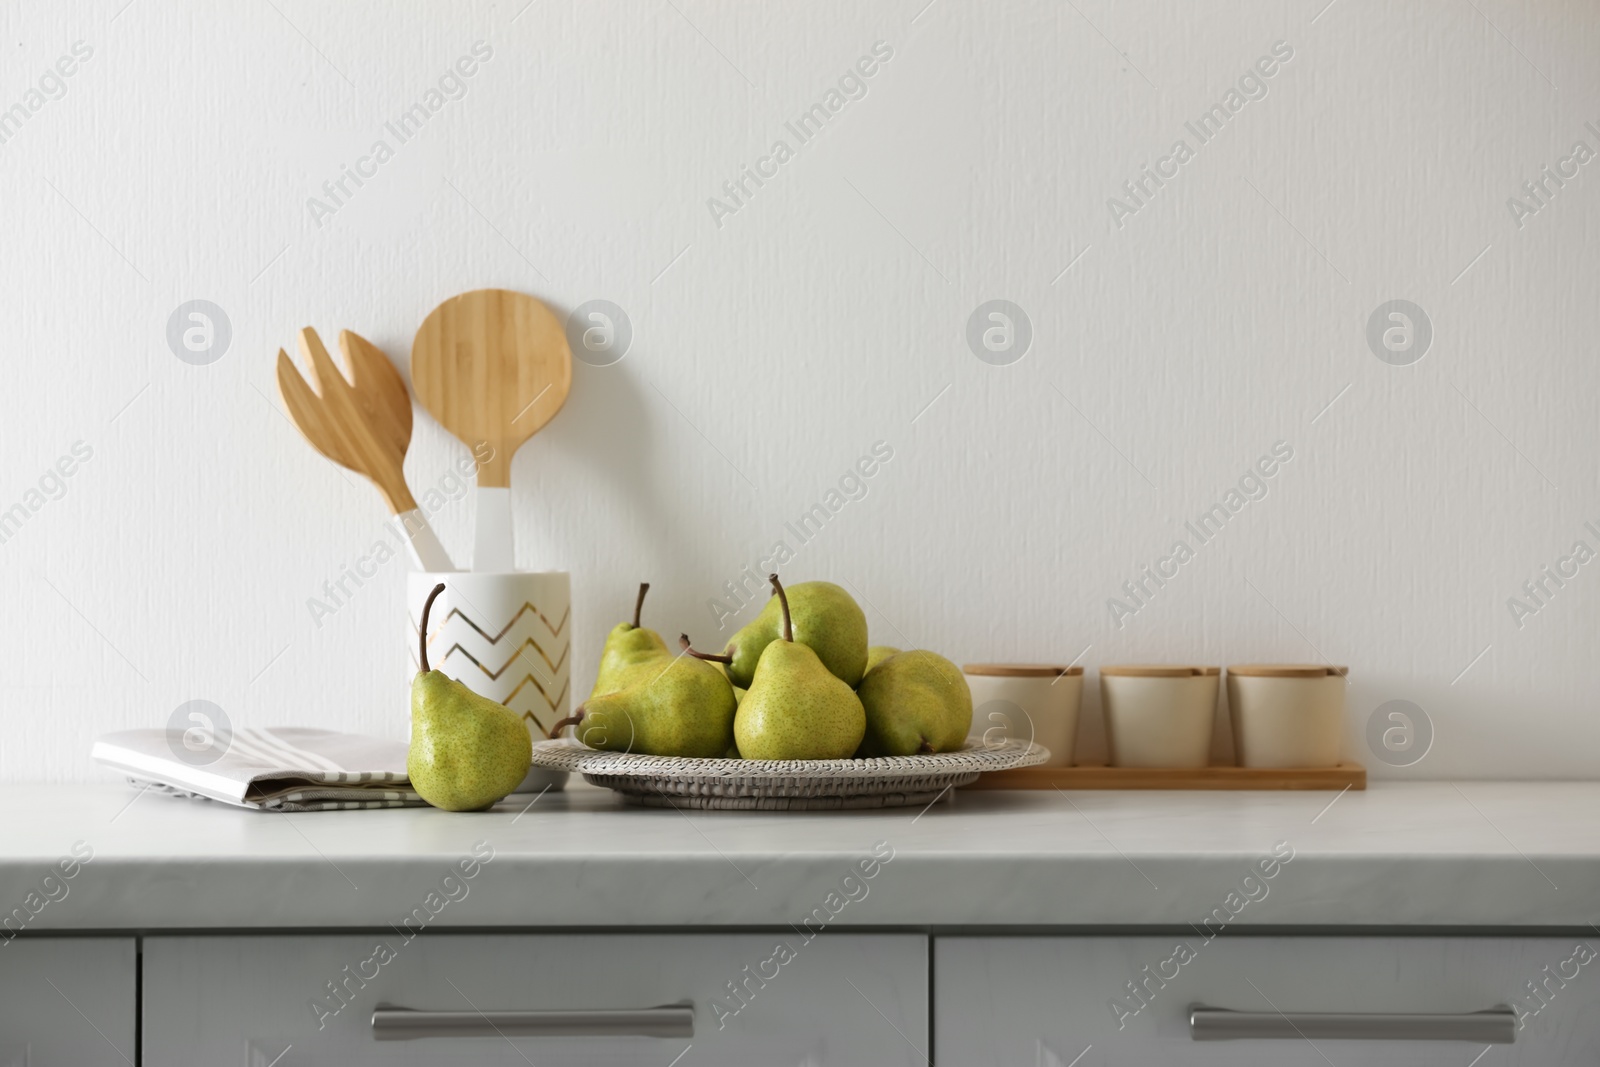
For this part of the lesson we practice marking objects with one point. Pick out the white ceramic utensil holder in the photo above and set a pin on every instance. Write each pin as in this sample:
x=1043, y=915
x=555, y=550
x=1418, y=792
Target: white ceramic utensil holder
x=1287, y=714
x=1159, y=716
x=505, y=636
x=1028, y=702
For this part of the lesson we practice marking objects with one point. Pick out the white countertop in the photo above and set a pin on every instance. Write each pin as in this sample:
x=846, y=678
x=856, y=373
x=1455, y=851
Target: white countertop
x=1479, y=854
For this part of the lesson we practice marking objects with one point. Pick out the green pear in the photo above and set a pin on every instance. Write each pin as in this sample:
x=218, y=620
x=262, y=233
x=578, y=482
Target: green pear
x=876, y=655
x=915, y=701
x=824, y=617
x=796, y=708
x=466, y=750
x=720, y=662
x=627, y=645
x=738, y=694
x=667, y=706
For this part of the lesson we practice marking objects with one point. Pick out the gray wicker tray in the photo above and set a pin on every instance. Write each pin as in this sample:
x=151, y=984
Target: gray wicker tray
x=785, y=785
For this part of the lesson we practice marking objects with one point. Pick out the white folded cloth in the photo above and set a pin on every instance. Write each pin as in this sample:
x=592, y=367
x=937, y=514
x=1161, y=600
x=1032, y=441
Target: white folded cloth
x=275, y=768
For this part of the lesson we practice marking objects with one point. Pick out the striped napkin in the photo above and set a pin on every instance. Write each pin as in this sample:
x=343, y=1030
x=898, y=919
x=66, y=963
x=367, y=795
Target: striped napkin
x=274, y=768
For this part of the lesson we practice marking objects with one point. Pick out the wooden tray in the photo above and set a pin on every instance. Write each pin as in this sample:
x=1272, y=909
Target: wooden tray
x=1344, y=776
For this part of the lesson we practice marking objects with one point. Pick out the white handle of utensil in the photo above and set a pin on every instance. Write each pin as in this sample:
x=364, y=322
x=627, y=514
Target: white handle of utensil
x=492, y=549
x=426, y=552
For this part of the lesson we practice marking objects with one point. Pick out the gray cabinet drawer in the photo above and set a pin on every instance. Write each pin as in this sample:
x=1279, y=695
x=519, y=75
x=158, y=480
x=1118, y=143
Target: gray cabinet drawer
x=1126, y=1001
x=68, y=1001
x=736, y=999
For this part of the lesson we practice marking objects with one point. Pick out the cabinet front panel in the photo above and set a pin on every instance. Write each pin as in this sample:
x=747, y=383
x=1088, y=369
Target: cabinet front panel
x=1129, y=1001
x=734, y=999
x=68, y=1001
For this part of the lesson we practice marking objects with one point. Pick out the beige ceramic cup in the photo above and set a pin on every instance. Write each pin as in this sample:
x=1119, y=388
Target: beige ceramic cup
x=1159, y=715
x=1028, y=702
x=504, y=636
x=1287, y=714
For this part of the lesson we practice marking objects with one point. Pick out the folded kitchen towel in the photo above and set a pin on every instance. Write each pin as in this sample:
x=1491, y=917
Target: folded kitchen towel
x=275, y=768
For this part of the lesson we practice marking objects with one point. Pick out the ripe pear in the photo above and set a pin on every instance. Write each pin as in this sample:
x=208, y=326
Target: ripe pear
x=720, y=663
x=738, y=694
x=627, y=645
x=915, y=701
x=823, y=616
x=667, y=706
x=876, y=655
x=466, y=750
x=796, y=708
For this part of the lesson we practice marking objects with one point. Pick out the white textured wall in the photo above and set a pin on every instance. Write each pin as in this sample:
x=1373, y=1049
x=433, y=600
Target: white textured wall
x=825, y=314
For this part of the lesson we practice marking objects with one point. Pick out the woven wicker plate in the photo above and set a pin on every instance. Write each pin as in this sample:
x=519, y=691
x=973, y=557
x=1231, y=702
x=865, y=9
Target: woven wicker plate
x=785, y=785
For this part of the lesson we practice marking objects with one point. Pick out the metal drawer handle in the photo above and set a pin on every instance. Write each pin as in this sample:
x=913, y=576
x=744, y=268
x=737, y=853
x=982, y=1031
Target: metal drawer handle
x=1497, y=1026
x=407, y=1024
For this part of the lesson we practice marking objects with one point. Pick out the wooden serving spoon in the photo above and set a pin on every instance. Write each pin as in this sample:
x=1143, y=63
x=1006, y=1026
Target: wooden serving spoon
x=362, y=423
x=493, y=366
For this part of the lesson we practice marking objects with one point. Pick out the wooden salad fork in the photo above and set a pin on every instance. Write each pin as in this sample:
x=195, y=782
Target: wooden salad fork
x=362, y=423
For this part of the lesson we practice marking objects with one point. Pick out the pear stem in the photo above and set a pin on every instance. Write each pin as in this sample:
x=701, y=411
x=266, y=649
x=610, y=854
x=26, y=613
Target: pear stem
x=422, y=636
x=788, y=623
x=638, y=605
x=570, y=720
x=683, y=639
